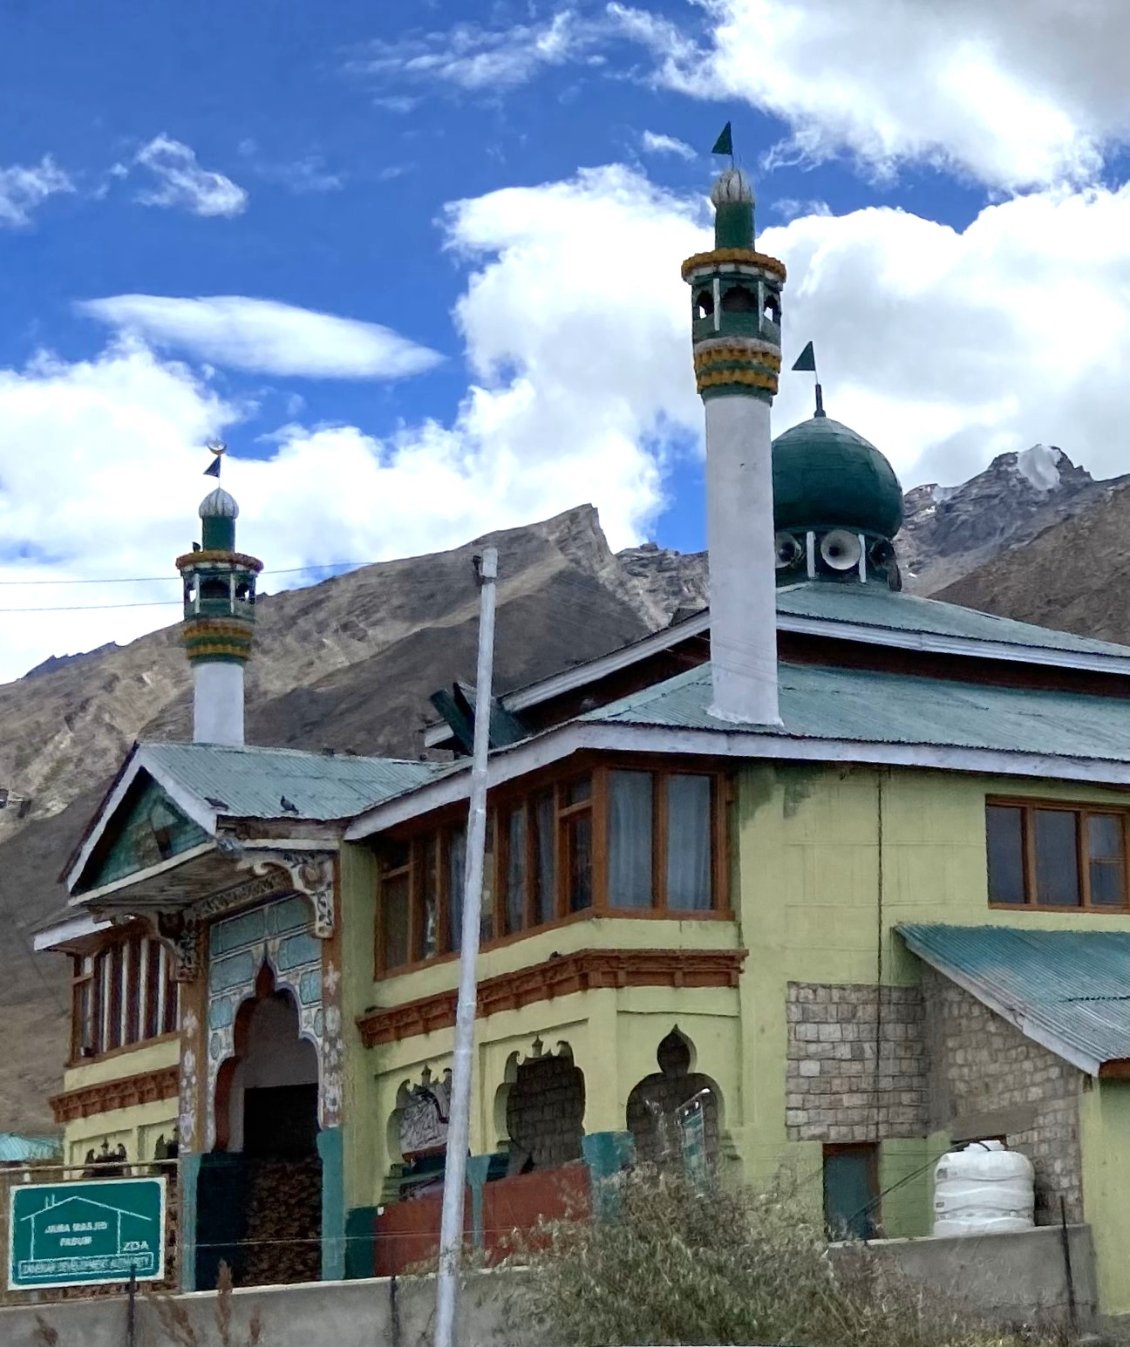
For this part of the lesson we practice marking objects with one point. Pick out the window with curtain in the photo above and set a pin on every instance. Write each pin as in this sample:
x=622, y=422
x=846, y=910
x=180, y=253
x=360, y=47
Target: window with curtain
x=617, y=839
x=689, y=842
x=631, y=804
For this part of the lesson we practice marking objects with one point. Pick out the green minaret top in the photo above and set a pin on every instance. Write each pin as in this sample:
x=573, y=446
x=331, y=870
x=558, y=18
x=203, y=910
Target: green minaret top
x=218, y=511
x=732, y=195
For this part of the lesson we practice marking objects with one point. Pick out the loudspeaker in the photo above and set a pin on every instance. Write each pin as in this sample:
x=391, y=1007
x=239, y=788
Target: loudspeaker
x=788, y=551
x=840, y=549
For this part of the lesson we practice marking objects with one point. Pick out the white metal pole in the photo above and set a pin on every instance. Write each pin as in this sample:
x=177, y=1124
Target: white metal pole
x=459, y=1111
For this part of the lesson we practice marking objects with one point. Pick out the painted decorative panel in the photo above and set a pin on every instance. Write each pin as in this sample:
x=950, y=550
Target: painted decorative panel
x=279, y=934
x=153, y=830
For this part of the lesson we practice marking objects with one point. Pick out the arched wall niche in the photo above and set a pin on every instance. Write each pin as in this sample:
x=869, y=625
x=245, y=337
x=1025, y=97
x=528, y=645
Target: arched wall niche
x=655, y=1102
x=539, y=1109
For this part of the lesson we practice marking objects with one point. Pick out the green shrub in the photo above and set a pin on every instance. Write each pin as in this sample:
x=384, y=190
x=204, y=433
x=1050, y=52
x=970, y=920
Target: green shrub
x=678, y=1265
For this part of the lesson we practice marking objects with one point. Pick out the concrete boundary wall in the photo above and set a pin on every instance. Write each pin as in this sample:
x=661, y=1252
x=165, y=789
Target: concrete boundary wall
x=384, y=1312
x=1010, y=1278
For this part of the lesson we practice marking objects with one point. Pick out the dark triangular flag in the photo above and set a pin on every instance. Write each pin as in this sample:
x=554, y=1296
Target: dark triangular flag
x=806, y=360
x=725, y=142
x=213, y=468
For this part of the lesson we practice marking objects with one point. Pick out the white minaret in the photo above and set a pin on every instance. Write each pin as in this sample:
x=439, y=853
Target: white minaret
x=736, y=332
x=219, y=616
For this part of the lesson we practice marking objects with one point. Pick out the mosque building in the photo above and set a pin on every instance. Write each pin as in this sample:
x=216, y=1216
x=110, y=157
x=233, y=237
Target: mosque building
x=837, y=870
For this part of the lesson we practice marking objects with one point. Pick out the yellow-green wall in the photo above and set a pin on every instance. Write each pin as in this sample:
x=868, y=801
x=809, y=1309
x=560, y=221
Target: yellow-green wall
x=138, y=1127
x=1105, y=1134
x=828, y=860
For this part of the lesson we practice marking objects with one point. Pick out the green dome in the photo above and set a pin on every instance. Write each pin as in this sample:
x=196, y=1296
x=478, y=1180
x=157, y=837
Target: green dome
x=826, y=476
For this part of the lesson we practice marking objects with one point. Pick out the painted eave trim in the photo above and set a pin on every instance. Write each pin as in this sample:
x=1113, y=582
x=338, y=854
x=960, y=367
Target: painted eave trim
x=561, y=742
x=63, y=932
x=440, y=734
x=1029, y=1026
x=191, y=805
x=91, y=896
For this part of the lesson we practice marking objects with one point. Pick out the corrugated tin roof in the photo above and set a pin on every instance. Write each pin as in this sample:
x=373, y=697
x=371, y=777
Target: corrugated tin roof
x=876, y=606
x=1069, y=990
x=250, y=782
x=15, y=1149
x=862, y=705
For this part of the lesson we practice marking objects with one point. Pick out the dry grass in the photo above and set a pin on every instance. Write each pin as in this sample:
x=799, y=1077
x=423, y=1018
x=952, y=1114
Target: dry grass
x=677, y=1265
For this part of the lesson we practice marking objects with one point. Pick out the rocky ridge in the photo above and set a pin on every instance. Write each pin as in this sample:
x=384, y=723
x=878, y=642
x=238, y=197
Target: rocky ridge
x=950, y=531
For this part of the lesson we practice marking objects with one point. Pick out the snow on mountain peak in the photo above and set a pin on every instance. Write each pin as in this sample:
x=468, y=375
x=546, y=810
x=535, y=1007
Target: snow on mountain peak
x=1040, y=466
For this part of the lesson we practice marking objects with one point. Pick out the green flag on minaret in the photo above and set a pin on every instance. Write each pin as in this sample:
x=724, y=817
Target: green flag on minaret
x=806, y=360
x=725, y=142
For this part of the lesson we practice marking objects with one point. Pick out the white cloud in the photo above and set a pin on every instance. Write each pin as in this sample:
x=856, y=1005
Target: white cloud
x=942, y=346
x=301, y=176
x=265, y=336
x=474, y=58
x=182, y=183
x=1014, y=93
x=23, y=190
x=577, y=389
x=947, y=347
x=655, y=142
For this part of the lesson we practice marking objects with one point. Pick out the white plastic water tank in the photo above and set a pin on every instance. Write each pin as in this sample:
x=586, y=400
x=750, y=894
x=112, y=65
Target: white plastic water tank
x=983, y=1189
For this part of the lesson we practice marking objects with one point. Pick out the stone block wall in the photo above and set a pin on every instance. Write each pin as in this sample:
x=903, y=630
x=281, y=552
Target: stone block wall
x=988, y=1080
x=545, y=1111
x=856, y=1068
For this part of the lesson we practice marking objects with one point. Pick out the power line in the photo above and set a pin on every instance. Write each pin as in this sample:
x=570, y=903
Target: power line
x=172, y=579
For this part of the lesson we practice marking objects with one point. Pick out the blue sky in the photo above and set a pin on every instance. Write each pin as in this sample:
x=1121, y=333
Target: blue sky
x=418, y=264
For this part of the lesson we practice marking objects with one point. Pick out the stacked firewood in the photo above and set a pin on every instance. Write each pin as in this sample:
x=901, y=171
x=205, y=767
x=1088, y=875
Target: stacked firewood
x=284, y=1222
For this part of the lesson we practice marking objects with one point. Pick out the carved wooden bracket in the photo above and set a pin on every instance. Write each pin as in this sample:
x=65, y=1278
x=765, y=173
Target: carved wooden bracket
x=310, y=873
x=182, y=932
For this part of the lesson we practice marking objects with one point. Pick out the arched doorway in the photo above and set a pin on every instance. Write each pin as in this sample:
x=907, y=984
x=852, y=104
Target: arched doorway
x=270, y=1196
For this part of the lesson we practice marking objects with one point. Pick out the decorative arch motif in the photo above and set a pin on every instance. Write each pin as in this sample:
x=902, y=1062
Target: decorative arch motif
x=540, y=1108
x=418, y=1123
x=657, y=1100
x=276, y=936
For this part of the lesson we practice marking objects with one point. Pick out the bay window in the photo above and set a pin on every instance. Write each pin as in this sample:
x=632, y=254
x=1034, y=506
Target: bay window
x=617, y=840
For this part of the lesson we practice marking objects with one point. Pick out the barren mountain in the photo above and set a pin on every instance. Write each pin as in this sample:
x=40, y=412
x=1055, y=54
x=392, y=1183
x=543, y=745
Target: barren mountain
x=949, y=531
x=1074, y=576
x=348, y=663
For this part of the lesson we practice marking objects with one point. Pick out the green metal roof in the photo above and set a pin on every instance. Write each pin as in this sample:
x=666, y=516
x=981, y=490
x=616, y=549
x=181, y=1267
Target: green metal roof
x=250, y=782
x=18, y=1150
x=825, y=475
x=861, y=705
x=874, y=605
x=1069, y=990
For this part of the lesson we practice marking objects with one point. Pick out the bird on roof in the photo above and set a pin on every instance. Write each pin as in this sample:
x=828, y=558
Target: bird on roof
x=288, y=805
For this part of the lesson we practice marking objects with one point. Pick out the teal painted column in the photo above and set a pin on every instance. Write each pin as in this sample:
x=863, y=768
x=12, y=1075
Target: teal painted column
x=189, y=1178
x=331, y=1148
x=606, y=1154
x=477, y=1168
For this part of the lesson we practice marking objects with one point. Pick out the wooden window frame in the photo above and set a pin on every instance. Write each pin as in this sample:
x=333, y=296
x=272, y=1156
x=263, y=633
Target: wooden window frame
x=117, y=978
x=526, y=794
x=1082, y=811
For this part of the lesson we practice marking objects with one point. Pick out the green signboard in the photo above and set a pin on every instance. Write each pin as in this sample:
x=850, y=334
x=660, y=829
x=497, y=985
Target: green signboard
x=693, y=1125
x=86, y=1233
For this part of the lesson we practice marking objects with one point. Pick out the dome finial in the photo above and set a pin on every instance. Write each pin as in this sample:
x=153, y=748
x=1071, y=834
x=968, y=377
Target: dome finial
x=732, y=195
x=806, y=361
x=218, y=509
